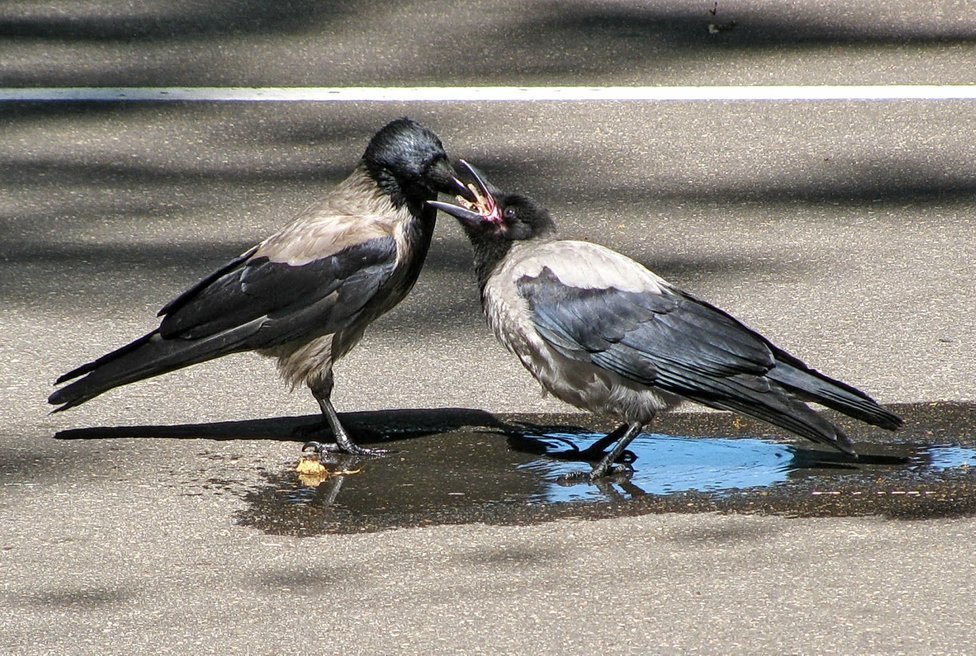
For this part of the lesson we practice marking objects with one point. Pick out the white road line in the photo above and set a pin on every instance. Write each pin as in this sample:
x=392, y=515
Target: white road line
x=489, y=94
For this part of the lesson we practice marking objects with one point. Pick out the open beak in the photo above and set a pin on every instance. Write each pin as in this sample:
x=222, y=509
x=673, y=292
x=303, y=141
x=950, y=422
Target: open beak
x=475, y=201
x=444, y=179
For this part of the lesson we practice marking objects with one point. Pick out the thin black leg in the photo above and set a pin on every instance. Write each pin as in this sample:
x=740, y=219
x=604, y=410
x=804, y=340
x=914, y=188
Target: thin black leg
x=598, y=449
x=606, y=465
x=343, y=442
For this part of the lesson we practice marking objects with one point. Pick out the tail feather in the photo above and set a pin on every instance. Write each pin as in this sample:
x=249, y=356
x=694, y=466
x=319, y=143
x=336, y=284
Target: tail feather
x=811, y=385
x=793, y=416
x=105, y=359
x=758, y=399
x=146, y=357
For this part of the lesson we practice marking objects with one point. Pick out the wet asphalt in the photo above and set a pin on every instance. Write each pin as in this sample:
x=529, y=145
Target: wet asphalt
x=696, y=463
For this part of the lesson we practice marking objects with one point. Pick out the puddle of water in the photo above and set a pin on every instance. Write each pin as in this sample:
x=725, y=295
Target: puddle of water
x=949, y=457
x=670, y=464
x=698, y=462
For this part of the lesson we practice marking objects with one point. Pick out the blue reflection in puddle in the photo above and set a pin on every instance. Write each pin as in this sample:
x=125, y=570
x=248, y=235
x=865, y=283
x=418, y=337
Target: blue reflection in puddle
x=949, y=457
x=669, y=465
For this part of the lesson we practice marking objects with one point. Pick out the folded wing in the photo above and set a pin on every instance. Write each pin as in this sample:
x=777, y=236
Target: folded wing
x=249, y=303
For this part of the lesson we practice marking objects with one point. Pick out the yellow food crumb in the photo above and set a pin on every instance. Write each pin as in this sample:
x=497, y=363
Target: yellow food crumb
x=311, y=466
x=312, y=473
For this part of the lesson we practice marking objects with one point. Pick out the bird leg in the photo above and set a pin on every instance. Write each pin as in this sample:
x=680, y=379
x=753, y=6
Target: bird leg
x=598, y=449
x=343, y=443
x=617, y=461
x=625, y=435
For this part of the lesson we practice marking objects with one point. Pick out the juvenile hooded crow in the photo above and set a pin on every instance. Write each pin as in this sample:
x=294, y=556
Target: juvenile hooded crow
x=601, y=332
x=306, y=294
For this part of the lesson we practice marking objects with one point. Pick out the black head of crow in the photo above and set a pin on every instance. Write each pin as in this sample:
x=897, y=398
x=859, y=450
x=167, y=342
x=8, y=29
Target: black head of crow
x=408, y=162
x=494, y=219
x=306, y=294
x=601, y=332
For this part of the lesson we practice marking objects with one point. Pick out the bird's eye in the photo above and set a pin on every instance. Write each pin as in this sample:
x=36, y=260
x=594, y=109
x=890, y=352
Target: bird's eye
x=510, y=213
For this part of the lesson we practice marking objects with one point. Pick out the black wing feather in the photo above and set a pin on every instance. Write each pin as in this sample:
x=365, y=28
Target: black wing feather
x=205, y=282
x=291, y=297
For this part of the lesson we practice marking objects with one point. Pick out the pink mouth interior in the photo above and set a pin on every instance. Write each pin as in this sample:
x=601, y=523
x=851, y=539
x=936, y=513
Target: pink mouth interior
x=484, y=204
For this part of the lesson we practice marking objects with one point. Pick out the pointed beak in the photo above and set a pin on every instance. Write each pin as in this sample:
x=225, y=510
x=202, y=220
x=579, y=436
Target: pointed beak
x=456, y=211
x=477, y=204
x=444, y=179
x=479, y=179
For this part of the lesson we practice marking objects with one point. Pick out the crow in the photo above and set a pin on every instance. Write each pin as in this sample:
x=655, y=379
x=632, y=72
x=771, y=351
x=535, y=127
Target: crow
x=306, y=294
x=601, y=332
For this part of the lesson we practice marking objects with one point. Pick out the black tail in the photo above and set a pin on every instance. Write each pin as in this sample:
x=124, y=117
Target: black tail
x=811, y=385
x=779, y=398
x=760, y=399
x=148, y=356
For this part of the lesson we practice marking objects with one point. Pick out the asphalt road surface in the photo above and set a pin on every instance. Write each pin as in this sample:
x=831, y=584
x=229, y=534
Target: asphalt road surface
x=845, y=231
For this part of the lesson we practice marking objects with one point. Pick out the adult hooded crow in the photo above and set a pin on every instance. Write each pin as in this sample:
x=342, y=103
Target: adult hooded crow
x=306, y=294
x=601, y=332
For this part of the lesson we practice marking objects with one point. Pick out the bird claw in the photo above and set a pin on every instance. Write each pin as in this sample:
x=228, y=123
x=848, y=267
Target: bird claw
x=572, y=478
x=370, y=453
x=589, y=455
x=321, y=448
x=325, y=448
x=618, y=472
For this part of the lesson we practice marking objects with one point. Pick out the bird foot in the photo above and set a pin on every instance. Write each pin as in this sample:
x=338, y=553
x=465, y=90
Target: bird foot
x=597, y=476
x=325, y=448
x=596, y=455
x=590, y=455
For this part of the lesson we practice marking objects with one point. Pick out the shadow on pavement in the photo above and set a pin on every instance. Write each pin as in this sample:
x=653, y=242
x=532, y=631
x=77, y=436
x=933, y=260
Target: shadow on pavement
x=189, y=43
x=366, y=427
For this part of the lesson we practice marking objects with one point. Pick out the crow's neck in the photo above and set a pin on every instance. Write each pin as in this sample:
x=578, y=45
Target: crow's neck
x=489, y=254
x=361, y=194
x=419, y=233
